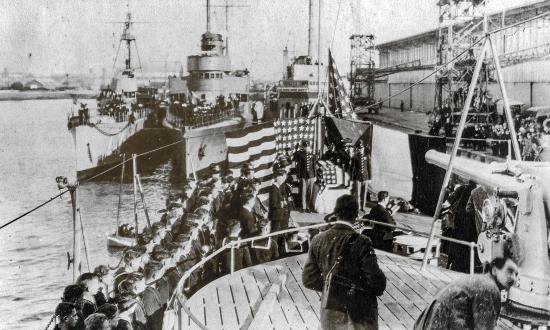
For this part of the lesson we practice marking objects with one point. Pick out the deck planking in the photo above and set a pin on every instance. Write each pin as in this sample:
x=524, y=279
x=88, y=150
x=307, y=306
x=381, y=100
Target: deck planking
x=231, y=302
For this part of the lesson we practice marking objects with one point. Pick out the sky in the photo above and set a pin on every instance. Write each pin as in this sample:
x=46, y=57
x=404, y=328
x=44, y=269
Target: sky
x=76, y=36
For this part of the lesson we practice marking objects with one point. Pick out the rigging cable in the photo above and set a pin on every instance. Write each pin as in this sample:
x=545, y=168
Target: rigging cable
x=93, y=177
x=127, y=160
x=120, y=193
x=84, y=240
x=335, y=24
x=459, y=55
x=34, y=209
x=437, y=69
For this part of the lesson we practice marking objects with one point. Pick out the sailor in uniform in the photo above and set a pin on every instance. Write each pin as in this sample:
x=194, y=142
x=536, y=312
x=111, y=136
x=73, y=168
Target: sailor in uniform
x=359, y=169
x=279, y=212
x=305, y=170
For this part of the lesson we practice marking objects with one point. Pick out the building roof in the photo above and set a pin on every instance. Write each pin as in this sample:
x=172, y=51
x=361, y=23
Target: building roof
x=432, y=34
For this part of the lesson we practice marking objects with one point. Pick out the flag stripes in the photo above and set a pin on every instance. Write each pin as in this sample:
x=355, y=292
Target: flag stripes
x=255, y=145
x=339, y=100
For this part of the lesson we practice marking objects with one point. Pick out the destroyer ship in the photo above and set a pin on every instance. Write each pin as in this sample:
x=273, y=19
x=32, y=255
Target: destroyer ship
x=102, y=134
x=271, y=295
x=211, y=100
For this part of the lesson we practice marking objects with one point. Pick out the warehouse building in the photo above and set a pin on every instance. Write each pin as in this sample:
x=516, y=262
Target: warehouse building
x=524, y=51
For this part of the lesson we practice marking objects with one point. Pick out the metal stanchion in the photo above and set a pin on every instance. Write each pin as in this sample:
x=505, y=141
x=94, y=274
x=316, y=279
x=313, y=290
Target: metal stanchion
x=232, y=257
x=472, y=258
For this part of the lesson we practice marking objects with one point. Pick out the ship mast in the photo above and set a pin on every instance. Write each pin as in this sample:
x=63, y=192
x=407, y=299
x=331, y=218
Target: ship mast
x=207, y=15
x=310, y=29
x=226, y=7
x=318, y=52
x=128, y=37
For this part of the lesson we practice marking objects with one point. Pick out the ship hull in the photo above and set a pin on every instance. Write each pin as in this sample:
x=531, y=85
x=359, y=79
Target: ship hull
x=203, y=147
x=97, y=152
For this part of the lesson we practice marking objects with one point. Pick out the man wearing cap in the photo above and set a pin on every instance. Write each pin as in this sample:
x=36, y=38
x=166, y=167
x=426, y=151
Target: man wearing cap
x=305, y=171
x=359, y=173
x=278, y=213
x=345, y=158
x=359, y=265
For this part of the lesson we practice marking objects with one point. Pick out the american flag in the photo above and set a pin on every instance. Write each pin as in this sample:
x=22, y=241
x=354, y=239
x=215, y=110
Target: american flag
x=255, y=145
x=292, y=131
x=339, y=100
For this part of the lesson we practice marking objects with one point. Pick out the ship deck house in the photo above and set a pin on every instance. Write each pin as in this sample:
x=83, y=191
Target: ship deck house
x=524, y=51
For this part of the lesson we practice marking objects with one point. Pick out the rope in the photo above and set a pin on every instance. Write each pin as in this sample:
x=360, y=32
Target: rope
x=34, y=209
x=96, y=126
x=335, y=25
x=120, y=261
x=84, y=240
x=50, y=322
x=120, y=191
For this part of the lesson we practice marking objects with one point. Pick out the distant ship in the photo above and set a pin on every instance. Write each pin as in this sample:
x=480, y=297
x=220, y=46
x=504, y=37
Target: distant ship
x=211, y=100
x=122, y=110
x=300, y=84
x=303, y=79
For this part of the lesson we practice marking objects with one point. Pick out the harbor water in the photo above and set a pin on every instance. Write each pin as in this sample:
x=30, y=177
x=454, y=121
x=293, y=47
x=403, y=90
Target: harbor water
x=35, y=148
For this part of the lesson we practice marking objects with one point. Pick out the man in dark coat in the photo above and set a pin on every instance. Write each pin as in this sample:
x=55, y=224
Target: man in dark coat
x=382, y=236
x=279, y=212
x=471, y=302
x=359, y=166
x=464, y=227
x=252, y=226
x=305, y=171
x=325, y=248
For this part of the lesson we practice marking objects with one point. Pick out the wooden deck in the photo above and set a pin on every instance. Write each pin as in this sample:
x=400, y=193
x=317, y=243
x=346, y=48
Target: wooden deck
x=234, y=301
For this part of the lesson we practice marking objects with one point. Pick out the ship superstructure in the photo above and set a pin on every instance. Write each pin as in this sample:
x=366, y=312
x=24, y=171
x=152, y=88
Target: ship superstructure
x=303, y=78
x=101, y=134
x=209, y=101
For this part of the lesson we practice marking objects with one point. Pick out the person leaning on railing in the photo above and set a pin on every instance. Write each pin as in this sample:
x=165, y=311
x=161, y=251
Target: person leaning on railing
x=352, y=305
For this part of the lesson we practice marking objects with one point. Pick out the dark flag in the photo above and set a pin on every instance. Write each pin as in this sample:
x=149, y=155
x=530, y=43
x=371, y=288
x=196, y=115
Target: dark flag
x=338, y=98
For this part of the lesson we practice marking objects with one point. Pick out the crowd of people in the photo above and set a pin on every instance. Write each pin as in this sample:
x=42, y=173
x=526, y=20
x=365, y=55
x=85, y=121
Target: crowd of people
x=204, y=113
x=208, y=214
x=493, y=133
x=294, y=111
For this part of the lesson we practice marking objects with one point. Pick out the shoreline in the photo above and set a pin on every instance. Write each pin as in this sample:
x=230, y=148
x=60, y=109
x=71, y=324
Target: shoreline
x=13, y=95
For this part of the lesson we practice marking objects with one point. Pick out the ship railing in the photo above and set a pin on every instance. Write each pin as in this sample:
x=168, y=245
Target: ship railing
x=177, y=302
x=471, y=245
x=203, y=120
